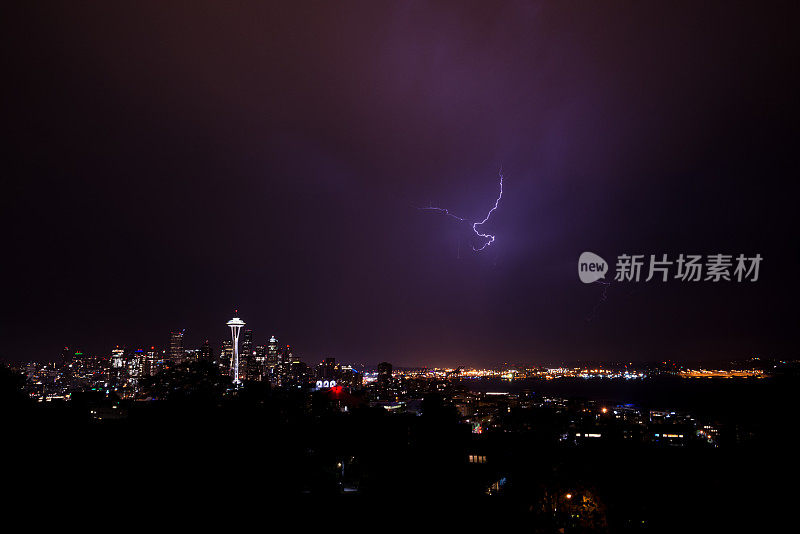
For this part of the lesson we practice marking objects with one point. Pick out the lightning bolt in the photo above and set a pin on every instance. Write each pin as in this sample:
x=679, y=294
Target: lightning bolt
x=489, y=238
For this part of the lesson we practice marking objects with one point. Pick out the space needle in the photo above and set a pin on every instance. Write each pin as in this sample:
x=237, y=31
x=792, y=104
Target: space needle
x=236, y=325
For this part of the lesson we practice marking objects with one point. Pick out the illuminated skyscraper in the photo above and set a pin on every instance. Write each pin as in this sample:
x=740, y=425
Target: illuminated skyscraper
x=271, y=361
x=205, y=352
x=153, y=363
x=347, y=376
x=285, y=359
x=327, y=369
x=226, y=357
x=272, y=352
x=384, y=374
x=259, y=368
x=117, y=373
x=384, y=388
x=118, y=357
x=176, y=346
x=295, y=372
x=236, y=325
x=246, y=354
x=136, y=367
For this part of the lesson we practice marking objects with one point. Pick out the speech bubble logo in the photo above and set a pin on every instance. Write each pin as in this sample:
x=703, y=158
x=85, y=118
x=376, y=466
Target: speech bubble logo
x=591, y=267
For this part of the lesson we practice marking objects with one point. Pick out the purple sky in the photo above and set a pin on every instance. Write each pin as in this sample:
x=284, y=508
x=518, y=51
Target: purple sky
x=171, y=162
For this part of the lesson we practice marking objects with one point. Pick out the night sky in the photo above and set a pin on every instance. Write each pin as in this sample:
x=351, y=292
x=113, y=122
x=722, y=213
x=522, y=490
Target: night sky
x=169, y=162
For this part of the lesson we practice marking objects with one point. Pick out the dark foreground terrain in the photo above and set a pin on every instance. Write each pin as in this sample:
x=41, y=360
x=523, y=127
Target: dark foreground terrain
x=265, y=455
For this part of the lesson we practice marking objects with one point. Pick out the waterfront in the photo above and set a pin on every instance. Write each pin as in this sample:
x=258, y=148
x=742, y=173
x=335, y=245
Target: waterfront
x=724, y=398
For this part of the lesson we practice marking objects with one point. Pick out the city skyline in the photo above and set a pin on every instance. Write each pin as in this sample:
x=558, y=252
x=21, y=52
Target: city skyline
x=178, y=351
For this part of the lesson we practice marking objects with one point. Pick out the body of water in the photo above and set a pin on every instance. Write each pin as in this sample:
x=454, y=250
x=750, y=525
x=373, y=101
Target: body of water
x=716, y=398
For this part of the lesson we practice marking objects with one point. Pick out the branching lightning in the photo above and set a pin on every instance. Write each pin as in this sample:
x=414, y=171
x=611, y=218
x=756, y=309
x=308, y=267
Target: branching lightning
x=489, y=238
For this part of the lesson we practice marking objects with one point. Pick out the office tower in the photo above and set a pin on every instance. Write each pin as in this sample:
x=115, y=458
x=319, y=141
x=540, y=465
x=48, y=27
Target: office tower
x=176, y=346
x=384, y=374
x=118, y=357
x=260, y=352
x=284, y=367
x=136, y=368
x=384, y=386
x=191, y=355
x=152, y=363
x=117, y=371
x=235, y=325
x=347, y=376
x=327, y=369
x=272, y=350
x=246, y=354
x=295, y=372
x=226, y=357
x=206, y=353
x=271, y=369
x=259, y=366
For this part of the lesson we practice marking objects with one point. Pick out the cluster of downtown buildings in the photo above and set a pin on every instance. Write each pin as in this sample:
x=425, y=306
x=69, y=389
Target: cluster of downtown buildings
x=126, y=372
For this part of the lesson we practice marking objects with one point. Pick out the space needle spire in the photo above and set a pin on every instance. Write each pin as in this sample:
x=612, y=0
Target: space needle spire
x=236, y=325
